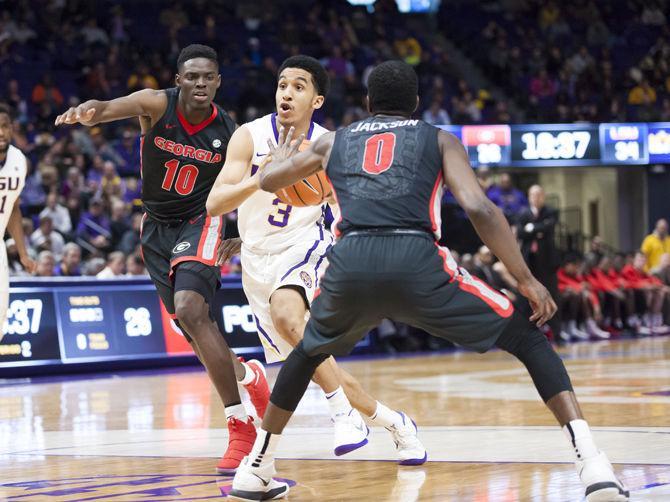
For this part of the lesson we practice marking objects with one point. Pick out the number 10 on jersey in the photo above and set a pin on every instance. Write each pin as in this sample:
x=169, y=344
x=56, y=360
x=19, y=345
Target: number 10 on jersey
x=185, y=177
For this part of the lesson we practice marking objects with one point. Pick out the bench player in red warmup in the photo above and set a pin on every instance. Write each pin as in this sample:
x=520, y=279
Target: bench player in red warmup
x=184, y=140
x=387, y=174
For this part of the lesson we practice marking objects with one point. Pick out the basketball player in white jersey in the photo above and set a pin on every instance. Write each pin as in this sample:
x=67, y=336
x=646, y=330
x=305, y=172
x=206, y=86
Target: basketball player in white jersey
x=283, y=252
x=13, y=167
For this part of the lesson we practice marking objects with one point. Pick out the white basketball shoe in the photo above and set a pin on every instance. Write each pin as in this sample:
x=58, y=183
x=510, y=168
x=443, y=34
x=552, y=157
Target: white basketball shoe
x=351, y=432
x=598, y=478
x=410, y=450
x=256, y=483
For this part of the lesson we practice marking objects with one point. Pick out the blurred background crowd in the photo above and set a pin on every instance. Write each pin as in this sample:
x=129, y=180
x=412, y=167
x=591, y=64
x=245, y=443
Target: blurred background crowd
x=478, y=62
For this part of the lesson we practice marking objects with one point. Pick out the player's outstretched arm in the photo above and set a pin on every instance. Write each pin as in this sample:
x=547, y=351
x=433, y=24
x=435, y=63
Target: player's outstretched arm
x=145, y=103
x=289, y=166
x=234, y=184
x=491, y=225
x=15, y=229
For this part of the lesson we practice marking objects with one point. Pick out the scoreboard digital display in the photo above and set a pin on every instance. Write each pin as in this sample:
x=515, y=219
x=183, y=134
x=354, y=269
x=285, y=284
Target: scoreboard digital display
x=59, y=322
x=556, y=145
x=658, y=140
x=624, y=143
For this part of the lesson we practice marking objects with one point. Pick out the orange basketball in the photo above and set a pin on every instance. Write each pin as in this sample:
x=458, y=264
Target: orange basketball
x=311, y=191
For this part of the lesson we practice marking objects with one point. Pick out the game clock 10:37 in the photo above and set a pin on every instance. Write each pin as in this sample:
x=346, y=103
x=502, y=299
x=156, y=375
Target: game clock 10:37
x=555, y=145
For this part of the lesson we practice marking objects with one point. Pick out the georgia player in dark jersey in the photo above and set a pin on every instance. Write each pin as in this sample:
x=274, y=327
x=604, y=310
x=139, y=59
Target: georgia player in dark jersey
x=386, y=173
x=184, y=141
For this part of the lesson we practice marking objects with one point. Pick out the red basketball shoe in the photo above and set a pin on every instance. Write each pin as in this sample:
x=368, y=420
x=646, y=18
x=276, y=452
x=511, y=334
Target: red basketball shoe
x=241, y=437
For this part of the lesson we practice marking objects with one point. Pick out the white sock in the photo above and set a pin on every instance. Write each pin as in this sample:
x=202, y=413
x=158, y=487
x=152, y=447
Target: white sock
x=579, y=435
x=385, y=416
x=338, y=402
x=263, y=451
x=249, y=375
x=236, y=411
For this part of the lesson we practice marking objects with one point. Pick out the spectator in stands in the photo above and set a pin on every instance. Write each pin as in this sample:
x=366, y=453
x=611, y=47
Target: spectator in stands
x=45, y=264
x=580, y=302
x=93, y=266
x=135, y=265
x=133, y=193
x=73, y=183
x=111, y=183
x=47, y=92
x=115, y=266
x=656, y=244
x=436, y=115
x=92, y=34
x=508, y=198
x=58, y=213
x=142, y=79
x=485, y=270
x=94, y=226
x=650, y=291
x=643, y=98
x=46, y=239
x=131, y=238
x=611, y=296
x=14, y=261
x=535, y=229
x=662, y=271
x=71, y=261
x=128, y=149
x=119, y=221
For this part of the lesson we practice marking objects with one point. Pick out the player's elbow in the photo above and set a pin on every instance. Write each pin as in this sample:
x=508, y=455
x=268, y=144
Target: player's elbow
x=212, y=206
x=481, y=208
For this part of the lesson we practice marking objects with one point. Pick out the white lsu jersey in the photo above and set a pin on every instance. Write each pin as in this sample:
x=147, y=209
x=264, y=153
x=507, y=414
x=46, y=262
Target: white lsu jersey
x=12, y=180
x=267, y=225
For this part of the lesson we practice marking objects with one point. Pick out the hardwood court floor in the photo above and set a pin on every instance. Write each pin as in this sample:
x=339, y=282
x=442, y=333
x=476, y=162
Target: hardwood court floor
x=155, y=436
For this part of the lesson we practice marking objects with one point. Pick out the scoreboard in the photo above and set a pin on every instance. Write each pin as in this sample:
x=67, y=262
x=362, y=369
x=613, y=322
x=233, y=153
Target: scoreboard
x=88, y=321
x=547, y=145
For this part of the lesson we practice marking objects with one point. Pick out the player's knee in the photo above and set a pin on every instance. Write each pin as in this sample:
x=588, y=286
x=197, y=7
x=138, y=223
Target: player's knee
x=288, y=316
x=192, y=311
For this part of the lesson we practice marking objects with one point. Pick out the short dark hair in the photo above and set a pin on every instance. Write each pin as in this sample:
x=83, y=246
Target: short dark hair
x=5, y=108
x=393, y=87
x=573, y=257
x=197, y=51
x=312, y=66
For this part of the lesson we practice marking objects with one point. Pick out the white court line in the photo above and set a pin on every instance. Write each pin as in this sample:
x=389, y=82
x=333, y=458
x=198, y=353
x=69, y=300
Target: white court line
x=476, y=444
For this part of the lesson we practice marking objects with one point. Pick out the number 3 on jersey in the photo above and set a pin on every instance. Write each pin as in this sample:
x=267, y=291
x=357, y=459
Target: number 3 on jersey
x=186, y=176
x=280, y=217
x=379, y=151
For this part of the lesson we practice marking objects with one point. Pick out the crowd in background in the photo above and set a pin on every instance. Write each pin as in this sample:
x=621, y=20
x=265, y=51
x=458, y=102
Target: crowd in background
x=573, y=60
x=557, y=61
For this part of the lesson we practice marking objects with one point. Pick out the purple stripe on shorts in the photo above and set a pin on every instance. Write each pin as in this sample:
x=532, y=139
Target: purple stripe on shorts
x=303, y=262
x=254, y=168
x=265, y=335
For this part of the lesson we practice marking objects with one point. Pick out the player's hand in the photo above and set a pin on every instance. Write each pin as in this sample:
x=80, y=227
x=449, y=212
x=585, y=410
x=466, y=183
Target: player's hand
x=286, y=145
x=227, y=249
x=29, y=265
x=540, y=301
x=81, y=114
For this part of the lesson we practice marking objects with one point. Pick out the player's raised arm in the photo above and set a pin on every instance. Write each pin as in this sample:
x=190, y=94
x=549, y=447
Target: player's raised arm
x=491, y=225
x=145, y=103
x=233, y=185
x=288, y=167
